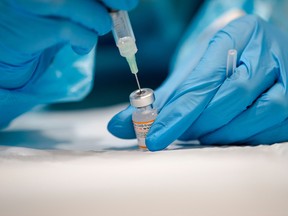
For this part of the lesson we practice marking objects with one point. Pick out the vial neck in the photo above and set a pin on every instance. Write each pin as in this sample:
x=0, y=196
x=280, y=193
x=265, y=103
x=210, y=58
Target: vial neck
x=149, y=107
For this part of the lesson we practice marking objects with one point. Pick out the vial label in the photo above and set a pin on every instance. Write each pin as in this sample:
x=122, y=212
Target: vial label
x=141, y=130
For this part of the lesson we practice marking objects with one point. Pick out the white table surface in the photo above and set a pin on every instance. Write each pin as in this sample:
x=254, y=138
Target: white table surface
x=66, y=163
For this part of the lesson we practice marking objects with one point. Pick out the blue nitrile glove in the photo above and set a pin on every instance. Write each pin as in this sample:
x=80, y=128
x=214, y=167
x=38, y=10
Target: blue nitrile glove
x=250, y=107
x=37, y=64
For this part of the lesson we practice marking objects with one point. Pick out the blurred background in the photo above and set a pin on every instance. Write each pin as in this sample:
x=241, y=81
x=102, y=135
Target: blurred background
x=158, y=25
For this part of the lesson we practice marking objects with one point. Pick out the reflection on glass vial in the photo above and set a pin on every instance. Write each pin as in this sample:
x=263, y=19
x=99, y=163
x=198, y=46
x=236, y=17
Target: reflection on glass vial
x=144, y=115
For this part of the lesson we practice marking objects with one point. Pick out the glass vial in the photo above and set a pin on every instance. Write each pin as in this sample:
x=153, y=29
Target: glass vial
x=144, y=115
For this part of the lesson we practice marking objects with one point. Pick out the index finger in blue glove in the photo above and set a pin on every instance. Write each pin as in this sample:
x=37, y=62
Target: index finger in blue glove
x=59, y=31
x=36, y=33
x=196, y=92
x=89, y=13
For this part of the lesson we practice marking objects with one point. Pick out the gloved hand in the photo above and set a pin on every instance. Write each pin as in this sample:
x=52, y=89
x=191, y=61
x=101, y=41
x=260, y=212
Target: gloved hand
x=249, y=107
x=32, y=32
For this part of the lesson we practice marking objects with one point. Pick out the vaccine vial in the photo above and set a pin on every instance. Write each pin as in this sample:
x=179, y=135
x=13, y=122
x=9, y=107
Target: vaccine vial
x=144, y=115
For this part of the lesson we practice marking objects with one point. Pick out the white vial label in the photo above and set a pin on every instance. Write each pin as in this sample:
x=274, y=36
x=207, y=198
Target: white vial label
x=141, y=130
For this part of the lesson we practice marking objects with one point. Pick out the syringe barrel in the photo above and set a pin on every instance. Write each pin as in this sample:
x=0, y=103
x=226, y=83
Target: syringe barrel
x=123, y=33
x=121, y=25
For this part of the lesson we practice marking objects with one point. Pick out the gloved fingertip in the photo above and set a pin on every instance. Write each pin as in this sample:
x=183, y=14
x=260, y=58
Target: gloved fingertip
x=121, y=131
x=131, y=4
x=121, y=124
x=121, y=4
x=106, y=27
x=155, y=140
x=152, y=144
x=81, y=50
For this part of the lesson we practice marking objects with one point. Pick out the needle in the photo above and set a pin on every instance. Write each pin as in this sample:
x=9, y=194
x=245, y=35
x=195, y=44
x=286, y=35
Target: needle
x=138, y=83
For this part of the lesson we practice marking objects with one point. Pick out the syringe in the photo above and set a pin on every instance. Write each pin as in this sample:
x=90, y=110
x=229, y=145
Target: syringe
x=125, y=39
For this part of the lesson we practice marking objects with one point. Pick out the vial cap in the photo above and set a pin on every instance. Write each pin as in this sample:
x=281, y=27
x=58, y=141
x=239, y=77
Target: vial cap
x=142, y=98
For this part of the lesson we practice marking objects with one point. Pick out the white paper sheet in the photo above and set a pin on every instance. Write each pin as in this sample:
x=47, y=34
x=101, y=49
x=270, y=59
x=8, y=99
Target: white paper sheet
x=68, y=164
